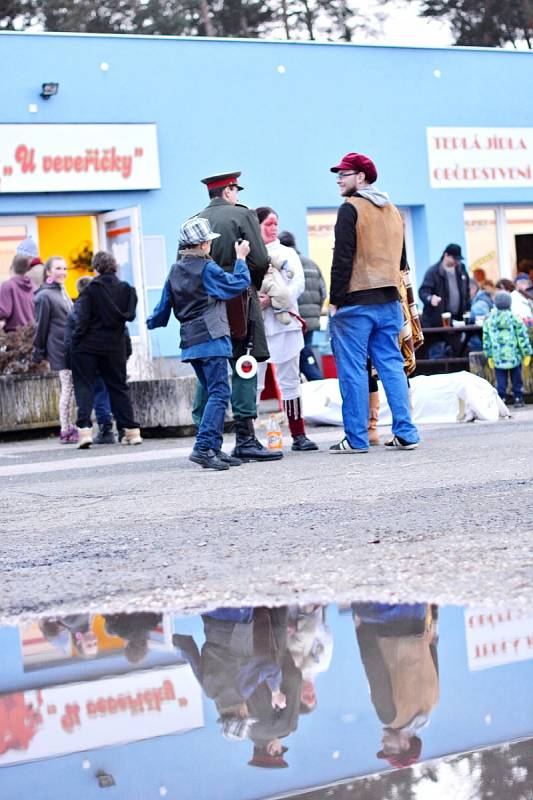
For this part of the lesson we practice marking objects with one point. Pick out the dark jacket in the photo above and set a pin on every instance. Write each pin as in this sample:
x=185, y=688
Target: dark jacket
x=232, y=223
x=130, y=626
x=69, y=331
x=16, y=302
x=436, y=282
x=104, y=307
x=312, y=298
x=52, y=307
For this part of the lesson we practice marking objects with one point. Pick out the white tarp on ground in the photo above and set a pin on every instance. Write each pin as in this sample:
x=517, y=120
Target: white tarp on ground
x=454, y=397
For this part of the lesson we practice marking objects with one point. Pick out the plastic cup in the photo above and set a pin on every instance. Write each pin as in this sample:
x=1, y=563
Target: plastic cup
x=446, y=318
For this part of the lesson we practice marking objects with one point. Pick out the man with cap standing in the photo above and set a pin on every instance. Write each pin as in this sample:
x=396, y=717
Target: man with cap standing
x=366, y=313
x=445, y=289
x=234, y=221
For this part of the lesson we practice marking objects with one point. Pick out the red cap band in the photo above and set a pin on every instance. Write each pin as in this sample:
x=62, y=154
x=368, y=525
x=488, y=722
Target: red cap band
x=224, y=182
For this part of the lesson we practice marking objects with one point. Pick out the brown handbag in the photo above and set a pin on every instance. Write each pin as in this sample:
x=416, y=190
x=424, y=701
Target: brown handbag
x=237, y=309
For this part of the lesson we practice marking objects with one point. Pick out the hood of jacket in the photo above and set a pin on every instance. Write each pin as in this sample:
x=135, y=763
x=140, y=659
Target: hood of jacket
x=116, y=299
x=375, y=196
x=23, y=282
x=501, y=318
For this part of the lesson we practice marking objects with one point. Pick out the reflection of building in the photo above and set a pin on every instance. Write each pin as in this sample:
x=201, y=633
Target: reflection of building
x=133, y=730
x=126, y=186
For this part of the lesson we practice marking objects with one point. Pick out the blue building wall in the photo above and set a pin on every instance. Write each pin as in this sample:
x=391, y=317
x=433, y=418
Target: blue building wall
x=225, y=104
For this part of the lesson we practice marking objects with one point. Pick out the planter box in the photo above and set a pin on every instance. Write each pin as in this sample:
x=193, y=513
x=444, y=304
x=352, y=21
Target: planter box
x=29, y=401
x=164, y=402
x=479, y=366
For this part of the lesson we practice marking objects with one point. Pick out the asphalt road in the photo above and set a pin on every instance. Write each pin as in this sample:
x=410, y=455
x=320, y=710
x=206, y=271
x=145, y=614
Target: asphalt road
x=117, y=527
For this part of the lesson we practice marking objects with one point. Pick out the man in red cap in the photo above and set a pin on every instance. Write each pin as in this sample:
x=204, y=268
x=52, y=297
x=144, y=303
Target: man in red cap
x=366, y=313
x=234, y=221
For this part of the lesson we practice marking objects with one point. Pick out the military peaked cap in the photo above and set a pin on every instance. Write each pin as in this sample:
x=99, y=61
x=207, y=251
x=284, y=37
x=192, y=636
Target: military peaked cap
x=222, y=180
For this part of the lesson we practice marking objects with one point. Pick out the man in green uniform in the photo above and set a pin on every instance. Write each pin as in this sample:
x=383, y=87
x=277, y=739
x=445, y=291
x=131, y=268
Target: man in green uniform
x=234, y=221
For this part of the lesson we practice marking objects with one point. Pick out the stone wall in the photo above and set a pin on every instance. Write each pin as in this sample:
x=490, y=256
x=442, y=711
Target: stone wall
x=164, y=402
x=29, y=401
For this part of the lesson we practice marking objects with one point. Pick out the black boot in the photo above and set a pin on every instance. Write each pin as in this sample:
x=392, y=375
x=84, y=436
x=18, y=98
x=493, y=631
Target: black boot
x=248, y=447
x=105, y=434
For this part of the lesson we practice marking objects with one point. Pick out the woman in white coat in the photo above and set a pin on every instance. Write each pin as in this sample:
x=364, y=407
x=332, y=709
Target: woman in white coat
x=285, y=341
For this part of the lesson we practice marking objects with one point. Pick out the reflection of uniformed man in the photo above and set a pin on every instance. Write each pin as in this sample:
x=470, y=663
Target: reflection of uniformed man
x=398, y=645
x=234, y=221
x=246, y=668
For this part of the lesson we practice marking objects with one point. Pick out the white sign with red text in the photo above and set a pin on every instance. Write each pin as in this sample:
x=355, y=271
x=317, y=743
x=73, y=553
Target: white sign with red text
x=477, y=158
x=44, y=723
x=78, y=158
x=498, y=636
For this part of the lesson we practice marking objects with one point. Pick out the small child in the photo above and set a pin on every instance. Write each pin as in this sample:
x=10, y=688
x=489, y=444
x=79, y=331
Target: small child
x=195, y=290
x=506, y=345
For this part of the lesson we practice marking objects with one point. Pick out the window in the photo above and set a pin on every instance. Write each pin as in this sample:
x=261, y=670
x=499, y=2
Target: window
x=499, y=241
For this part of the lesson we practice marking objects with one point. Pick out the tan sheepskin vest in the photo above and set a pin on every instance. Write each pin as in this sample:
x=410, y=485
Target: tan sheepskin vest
x=379, y=246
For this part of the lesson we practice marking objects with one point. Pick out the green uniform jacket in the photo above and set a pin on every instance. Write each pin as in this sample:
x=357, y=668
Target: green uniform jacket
x=232, y=223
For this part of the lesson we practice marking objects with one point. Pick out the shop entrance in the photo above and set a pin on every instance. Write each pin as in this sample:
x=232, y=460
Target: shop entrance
x=77, y=238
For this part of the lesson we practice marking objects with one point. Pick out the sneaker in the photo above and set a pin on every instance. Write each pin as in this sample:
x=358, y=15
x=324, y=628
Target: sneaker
x=64, y=437
x=233, y=461
x=73, y=434
x=344, y=446
x=302, y=443
x=401, y=444
x=208, y=459
x=519, y=402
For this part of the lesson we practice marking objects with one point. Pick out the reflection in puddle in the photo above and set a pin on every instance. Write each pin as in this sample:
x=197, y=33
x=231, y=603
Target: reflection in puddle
x=300, y=701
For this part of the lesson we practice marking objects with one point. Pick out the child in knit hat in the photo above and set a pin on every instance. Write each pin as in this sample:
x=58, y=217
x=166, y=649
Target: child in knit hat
x=506, y=345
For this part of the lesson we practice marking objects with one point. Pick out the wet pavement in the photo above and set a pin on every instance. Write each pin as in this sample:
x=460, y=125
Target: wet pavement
x=358, y=700
x=120, y=528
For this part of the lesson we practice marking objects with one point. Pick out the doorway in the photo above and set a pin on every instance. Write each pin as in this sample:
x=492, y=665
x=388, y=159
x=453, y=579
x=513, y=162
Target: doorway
x=76, y=238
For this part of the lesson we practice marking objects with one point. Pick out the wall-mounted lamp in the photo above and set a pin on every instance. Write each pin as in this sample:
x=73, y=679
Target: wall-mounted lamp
x=105, y=781
x=49, y=90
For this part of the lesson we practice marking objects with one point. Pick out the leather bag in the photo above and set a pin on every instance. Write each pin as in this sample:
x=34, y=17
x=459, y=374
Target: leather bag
x=237, y=309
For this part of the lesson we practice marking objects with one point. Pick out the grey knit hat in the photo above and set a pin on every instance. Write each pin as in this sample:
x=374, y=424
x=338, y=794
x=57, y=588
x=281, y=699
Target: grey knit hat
x=27, y=248
x=502, y=300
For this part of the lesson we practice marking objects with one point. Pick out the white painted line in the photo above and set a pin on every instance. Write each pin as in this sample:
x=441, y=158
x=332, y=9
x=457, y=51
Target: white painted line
x=130, y=456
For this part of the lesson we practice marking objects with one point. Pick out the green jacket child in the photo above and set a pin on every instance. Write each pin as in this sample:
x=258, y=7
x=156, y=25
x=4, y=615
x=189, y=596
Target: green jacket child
x=505, y=339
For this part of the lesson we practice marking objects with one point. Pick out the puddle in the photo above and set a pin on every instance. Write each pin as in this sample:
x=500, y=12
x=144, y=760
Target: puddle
x=381, y=702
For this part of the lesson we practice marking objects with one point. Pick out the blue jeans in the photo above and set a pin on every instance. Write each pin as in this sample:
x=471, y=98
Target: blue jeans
x=358, y=332
x=102, y=406
x=502, y=376
x=308, y=366
x=212, y=374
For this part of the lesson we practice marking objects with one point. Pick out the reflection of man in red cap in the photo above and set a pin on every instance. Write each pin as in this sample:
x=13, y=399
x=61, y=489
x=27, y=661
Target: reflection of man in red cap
x=398, y=646
x=366, y=313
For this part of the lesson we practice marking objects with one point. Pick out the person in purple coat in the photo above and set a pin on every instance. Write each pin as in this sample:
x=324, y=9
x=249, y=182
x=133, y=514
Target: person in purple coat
x=17, y=306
